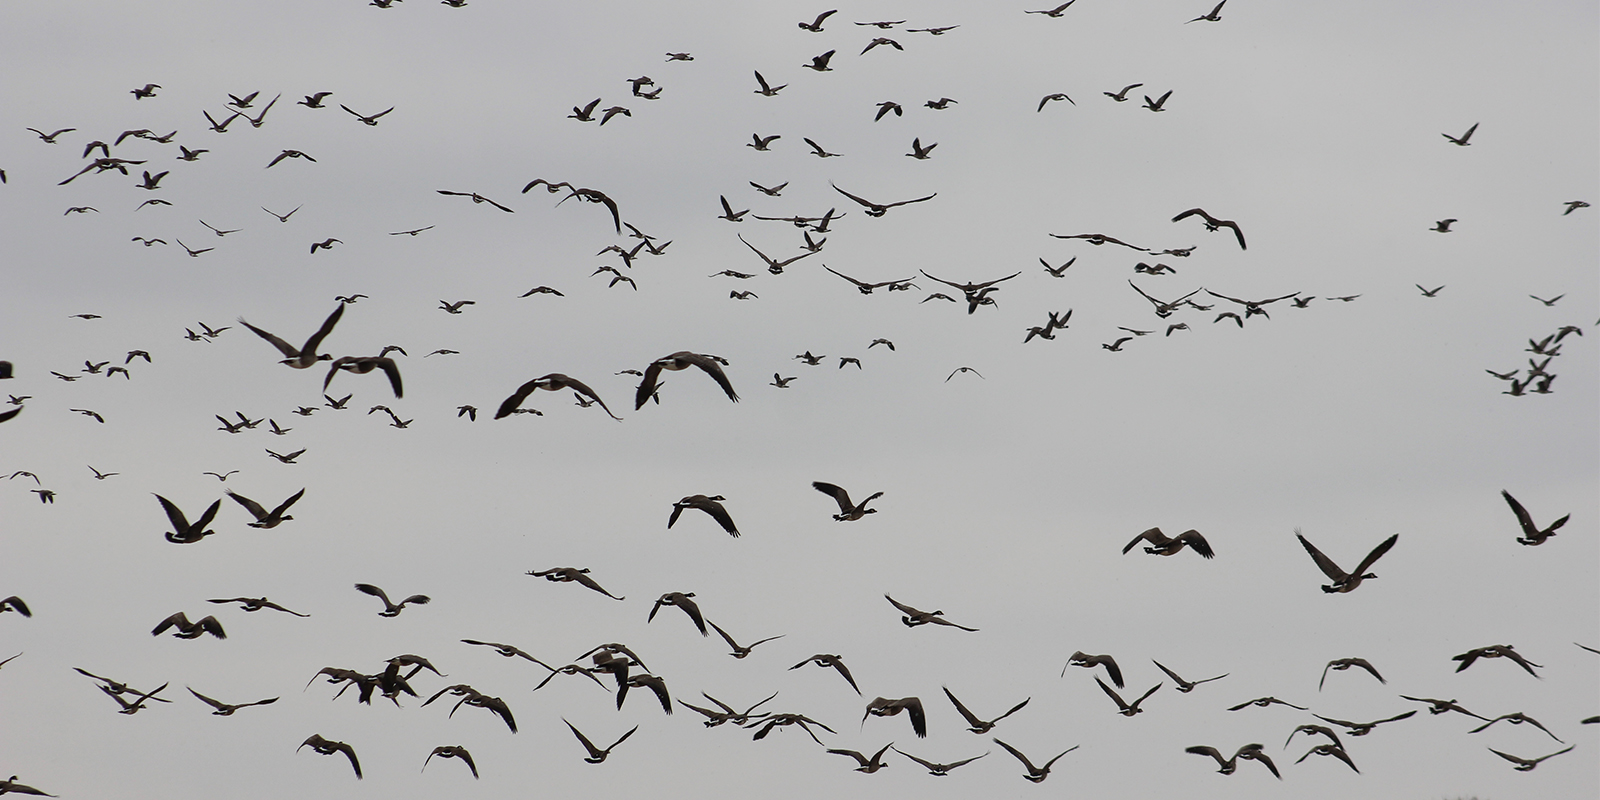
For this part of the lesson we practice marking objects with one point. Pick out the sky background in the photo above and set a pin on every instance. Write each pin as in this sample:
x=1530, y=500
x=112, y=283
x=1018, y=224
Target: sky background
x=1007, y=498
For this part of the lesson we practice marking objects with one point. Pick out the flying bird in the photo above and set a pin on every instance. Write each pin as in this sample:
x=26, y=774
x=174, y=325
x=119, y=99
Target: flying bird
x=868, y=765
x=879, y=209
x=370, y=121
x=182, y=532
x=1215, y=14
x=1523, y=764
x=362, y=365
x=226, y=709
x=681, y=360
x=1082, y=659
x=1342, y=581
x=1165, y=546
x=476, y=198
x=452, y=751
x=306, y=355
x=1464, y=139
x=1531, y=534
x=392, y=609
x=912, y=706
x=914, y=617
x=848, y=511
x=327, y=747
x=554, y=382
x=1035, y=774
x=190, y=630
x=597, y=755
x=1183, y=685
x=1212, y=223
x=264, y=518
x=711, y=505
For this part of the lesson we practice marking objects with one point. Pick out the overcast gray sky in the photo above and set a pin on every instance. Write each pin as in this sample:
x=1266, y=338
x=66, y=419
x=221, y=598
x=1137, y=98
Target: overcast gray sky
x=1007, y=497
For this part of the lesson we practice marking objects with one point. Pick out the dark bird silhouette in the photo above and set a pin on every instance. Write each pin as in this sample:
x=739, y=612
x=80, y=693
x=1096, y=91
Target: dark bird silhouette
x=738, y=650
x=977, y=725
x=815, y=26
x=1495, y=651
x=1442, y=706
x=222, y=709
x=767, y=90
x=1051, y=12
x=256, y=604
x=879, y=209
x=1162, y=545
x=1341, y=664
x=1465, y=139
x=554, y=382
x=306, y=355
x=14, y=603
x=1342, y=581
x=452, y=751
x=1183, y=685
x=362, y=365
x=914, y=617
x=1122, y=96
x=367, y=120
x=327, y=747
x=265, y=518
x=868, y=765
x=1363, y=728
x=1227, y=766
x=825, y=660
x=182, y=532
x=392, y=609
x=1126, y=709
x=11, y=785
x=820, y=63
x=573, y=575
x=1212, y=223
x=1531, y=534
x=1052, y=97
x=680, y=600
x=912, y=706
x=1156, y=105
x=819, y=151
x=1035, y=774
x=190, y=630
x=681, y=360
x=1215, y=15
x=1515, y=719
x=597, y=755
x=1523, y=764
x=848, y=511
x=476, y=198
x=1330, y=750
x=862, y=286
x=1082, y=659
x=1263, y=702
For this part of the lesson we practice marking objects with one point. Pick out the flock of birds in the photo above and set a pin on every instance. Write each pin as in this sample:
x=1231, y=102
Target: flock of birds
x=615, y=666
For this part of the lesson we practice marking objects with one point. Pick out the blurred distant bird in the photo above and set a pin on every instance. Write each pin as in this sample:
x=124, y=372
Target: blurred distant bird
x=573, y=575
x=1055, y=96
x=554, y=382
x=476, y=198
x=818, y=150
x=226, y=709
x=1263, y=702
x=815, y=26
x=1515, y=719
x=918, y=151
x=912, y=706
x=1340, y=664
x=879, y=209
x=1574, y=205
x=1156, y=105
x=940, y=104
x=1183, y=685
x=914, y=617
x=1214, y=16
x=1330, y=750
x=834, y=661
x=1126, y=709
x=14, y=603
x=362, y=365
x=1495, y=651
x=453, y=751
x=1465, y=138
x=256, y=604
x=1523, y=764
x=1212, y=223
x=328, y=748
x=1122, y=96
x=597, y=755
x=1053, y=12
x=190, y=630
x=372, y=120
x=820, y=63
x=765, y=89
x=680, y=600
x=264, y=518
x=1443, y=225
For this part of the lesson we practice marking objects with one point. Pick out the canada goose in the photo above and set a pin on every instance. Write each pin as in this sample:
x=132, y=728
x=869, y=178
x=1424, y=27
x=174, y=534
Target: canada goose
x=337, y=405
x=651, y=682
x=223, y=476
x=193, y=253
x=1465, y=139
x=712, y=505
x=1156, y=105
x=1053, y=12
x=887, y=707
x=1516, y=719
x=1052, y=97
x=392, y=609
x=1263, y=702
x=281, y=217
x=264, y=518
x=815, y=26
x=252, y=604
x=10, y=784
x=135, y=706
x=937, y=770
x=452, y=751
x=1122, y=96
x=1212, y=223
x=843, y=360
x=1363, y=728
x=510, y=651
x=918, y=151
x=818, y=151
x=493, y=704
x=1116, y=346
x=50, y=138
x=328, y=748
x=1082, y=659
x=607, y=114
x=1429, y=292
x=834, y=661
x=570, y=669
x=1342, y=581
x=1164, y=546
x=1057, y=272
x=476, y=198
x=182, y=532
x=1252, y=307
x=1312, y=730
x=1227, y=767
x=1215, y=14
x=820, y=63
x=772, y=721
x=289, y=154
x=679, y=57
x=86, y=412
x=190, y=630
x=1531, y=533
x=554, y=382
x=681, y=360
x=914, y=617
x=220, y=127
x=740, y=651
x=727, y=714
x=148, y=90
x=766, y=90
x=306, y=356
x=761, y=143
x=1495, y=652
x=848, y=511
x=1442, y=226
x=597, y=755
x=1183, y=685
x=1441, y=706
x=1125, y=709
x=573, y=575
x=1341, y=664
x=1573, y=205
x=80, y=210
x=810, y=359
x=861, y=286
x=1523, y=764
x=1035, y=774
x=879, y=209
x=14, y=603
x=728, y=213
x=362, y=365
x=227, y=709
x=868, y=765
x=370, y=121
x=962, y=369
x=148, y=242
x=1330, y=750
x=939, y=105
x=152, y=181
x=117, y=687
x=680, y=600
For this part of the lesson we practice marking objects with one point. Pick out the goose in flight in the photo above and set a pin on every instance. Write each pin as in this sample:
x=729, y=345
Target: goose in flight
x=1215, y=15
x=727, y=714
x=848, y=511
x=1341, y=664
x=476, y=198
x=681, y=360
x=879, y=209
x=1126, y=709
x=554, y=382
x=912, y=706
x=761, y=143
x=1443, y=225
x=815, y=26
x=453, y=751
x=190, y=630
x=914, y=617
x=327, y=747
x=861, y=286
x=774, y=266
x=738, y=650
x=1522, y=764
x=1442, y=706
x=1122, y=96
x=680, y=600
x=1252, y=752
x=14, y=603
x=256, y=604
x=597, y=755
x=1082, y=659
x=1212, y=223
x=1035, y=774
x=1434, y=292
x=977, y=725
x=368, y=120
x=919, y=152
x=1464, y=139
x=709, y=504
x=1363, y=728
x=834, y=661
x=572, y=575
x=392, y=609
x=362, y=365
x=1183, y=685
x=1330, y=750
x=226, y=709
x=818, y=150
x=1156, y=105
x=1054, y=96
x=868, y=765
x=1495, y=651
x=182, y=532
x=767, y=90
x=820, y=63
x=1343, y=581
x=306, y=356
x=1165, y=546
x=728, y=213
x=264, y=518
x=1053, y=13
x=1263, y=702
x=11, y=785
x=1531, y=533
x=1516, y=719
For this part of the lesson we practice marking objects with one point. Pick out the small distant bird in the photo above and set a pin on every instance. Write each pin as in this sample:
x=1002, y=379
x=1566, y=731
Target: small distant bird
x=190, y=630
x=1212, y=223
x=1035, y=774
x=1516, y=719
x=1330, y=750
x=760, y=142
x=818, y=150
x=728, y=213
x=868, y=765
x=1263, y=702
x=961, y=369
x=392, y=609
x=267, y=519
x=50, y=138
x=880, y=41
x=1523, y=764
x=1126, y=709
x=1054, y=96
x=252, y=604
x=834, y=661
x=1342, y=581
x=315, y=100
x=148, y=90
x=328, y=748
x=476, y=198
x=1443, y=225
x=1116, y=346
x=1574, y=205
x=918, y=151
x=370, y=121
x=1495, y=651
x=1548, y=303
x=287, y=458
x=681, y=360
x=886, y=107
x=766, y=89
x=1183, y=685
x=1465, y=138
x=1214, y=16
x=182, y=532
x=597, y=755
x=1156, y=105
x=780, y=381
x=738, y=650
x=679, y=57
x=1531, y=533
x=820, y=63
x=1053, y=12
x=226, y=709
x=573, y=575
x=1429, y=292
